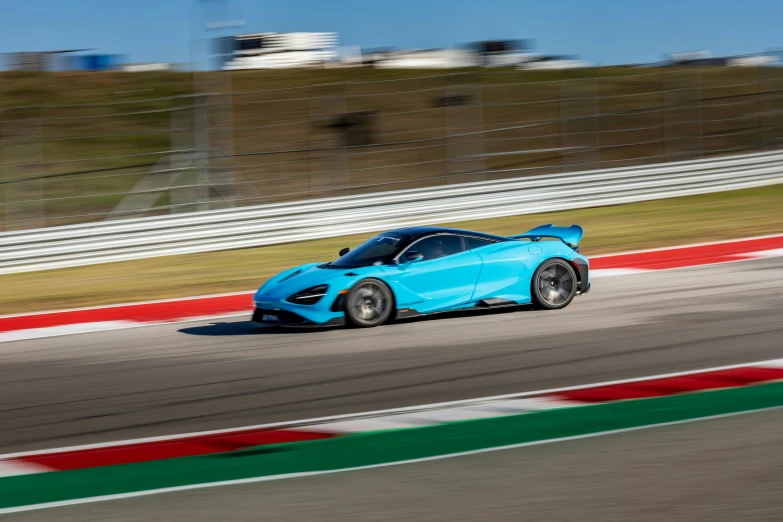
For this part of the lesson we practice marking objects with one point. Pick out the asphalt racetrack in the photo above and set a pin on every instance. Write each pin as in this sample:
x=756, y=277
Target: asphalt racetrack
x=184, y=377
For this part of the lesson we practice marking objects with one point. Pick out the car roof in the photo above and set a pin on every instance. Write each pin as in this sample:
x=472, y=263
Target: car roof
x=417, y=232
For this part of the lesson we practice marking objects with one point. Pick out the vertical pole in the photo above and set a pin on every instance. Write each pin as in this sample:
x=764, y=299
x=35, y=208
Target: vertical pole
x=3, y=185
x=666, y=116
x=39, y=169
x=181, y=163
x=761, y=105
x=596, y=141
x=700, y=115
x=481, y=149
x=313, y=141
x=344, y=179
x=201, y=124
x=446, y=151
x=227, y=147
x=560, y=117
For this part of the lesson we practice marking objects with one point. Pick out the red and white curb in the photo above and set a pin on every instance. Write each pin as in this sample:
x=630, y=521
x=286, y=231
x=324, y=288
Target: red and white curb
x=686, y=256
x=116, y=317
x=63, y=322
x=220, y=441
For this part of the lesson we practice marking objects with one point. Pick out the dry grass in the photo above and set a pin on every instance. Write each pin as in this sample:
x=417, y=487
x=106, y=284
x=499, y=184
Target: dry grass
x=731, y=115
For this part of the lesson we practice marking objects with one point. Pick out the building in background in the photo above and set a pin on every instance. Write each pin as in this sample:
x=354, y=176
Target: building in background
x=149, y=67
x=545, y=63
x=502, y=53
x=95, y=62
x=704, y=58
x=277, y=50
x=66, y=60
x=423, y=59
x=43, y=61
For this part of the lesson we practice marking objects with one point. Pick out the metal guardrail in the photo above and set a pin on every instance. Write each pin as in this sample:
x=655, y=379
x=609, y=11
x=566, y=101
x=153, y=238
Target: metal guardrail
x=93, y=243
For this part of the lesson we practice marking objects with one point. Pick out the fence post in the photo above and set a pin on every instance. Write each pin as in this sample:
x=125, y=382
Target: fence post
x=326, y=110
x=578, y=124
x=683, y=125
x=181, y=185
x=463, y=132
x=201, y=131
x=595, y=142
x=3, y=185
x=699, y=100
x=23, y=187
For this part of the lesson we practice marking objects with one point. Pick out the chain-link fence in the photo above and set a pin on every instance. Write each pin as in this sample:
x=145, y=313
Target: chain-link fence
x=81, y=162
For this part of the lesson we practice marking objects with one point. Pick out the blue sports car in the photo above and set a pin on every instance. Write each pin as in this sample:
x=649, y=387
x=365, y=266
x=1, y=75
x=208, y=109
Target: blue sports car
x=424, y=270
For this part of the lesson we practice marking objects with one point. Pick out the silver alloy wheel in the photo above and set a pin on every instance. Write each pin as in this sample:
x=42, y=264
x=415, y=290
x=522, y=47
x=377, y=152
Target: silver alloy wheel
x=369, y=303
x=555, y=284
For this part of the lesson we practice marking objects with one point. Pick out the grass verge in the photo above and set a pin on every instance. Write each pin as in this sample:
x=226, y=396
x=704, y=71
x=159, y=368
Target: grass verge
x=709, y=217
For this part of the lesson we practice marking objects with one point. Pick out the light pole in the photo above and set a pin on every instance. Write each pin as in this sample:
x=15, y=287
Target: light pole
x=206, y=84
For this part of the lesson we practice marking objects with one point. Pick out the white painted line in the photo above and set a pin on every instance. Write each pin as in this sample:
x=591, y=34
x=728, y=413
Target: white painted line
x=390, y=422
x=302, y=424
x=102, y=326
x=12, y=468
x=762, y=254
x=249, y=293
x=121, y=496
x=679, y=247
x=778, y=363
x=542, y=403
x=611, y=272
x=439, y=416
x=66, y=329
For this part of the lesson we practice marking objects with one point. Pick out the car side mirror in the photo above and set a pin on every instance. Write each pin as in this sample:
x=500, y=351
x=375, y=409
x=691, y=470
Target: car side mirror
x=344, y=251
x=412, y=257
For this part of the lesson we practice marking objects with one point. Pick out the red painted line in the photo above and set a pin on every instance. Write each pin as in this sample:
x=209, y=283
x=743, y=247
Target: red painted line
x=674, y=385
x=679, y=257
x=144, y=312
x=186, y=447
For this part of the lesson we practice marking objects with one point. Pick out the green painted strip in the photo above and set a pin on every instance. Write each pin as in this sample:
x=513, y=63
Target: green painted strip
x=383, y=446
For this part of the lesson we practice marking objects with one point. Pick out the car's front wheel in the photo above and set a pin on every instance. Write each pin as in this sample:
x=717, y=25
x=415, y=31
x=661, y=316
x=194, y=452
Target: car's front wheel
x=368, y=303
x=553, y=285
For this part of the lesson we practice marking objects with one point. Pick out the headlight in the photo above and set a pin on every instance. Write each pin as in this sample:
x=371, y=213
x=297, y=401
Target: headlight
x=309, y=296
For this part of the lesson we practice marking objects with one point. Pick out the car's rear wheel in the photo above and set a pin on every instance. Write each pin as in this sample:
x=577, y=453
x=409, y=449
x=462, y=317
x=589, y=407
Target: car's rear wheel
x=369, y=303
x=553, y=285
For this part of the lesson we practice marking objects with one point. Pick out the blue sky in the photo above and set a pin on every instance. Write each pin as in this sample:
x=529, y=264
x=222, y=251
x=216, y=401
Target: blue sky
x=603, y=31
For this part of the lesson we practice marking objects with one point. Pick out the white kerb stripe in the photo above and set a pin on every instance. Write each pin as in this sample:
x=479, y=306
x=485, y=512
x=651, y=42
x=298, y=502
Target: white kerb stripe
x=775, y=252
x=610, y=272
x=12, y=468
x=66, y=329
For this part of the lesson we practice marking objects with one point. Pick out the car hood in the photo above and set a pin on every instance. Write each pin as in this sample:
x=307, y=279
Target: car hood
x=302, y=277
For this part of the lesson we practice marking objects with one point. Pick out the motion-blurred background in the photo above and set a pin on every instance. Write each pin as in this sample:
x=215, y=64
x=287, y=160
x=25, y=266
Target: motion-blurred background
x=229, y=109
x=188, y=150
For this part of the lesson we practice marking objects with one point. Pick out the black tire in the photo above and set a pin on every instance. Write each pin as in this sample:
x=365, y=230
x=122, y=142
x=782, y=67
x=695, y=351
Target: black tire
x=554, y=285
x=369, y=303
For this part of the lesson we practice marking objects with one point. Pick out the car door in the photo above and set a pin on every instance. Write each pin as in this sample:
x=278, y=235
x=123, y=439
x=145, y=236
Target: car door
x=445, y=278
x=504, y=274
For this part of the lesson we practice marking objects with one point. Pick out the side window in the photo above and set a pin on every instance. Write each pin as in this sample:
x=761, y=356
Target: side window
x=434, y=247
x=473, y=242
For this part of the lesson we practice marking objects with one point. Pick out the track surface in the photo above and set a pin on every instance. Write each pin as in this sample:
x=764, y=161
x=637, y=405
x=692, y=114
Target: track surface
x=174, y=378
x=713, y=470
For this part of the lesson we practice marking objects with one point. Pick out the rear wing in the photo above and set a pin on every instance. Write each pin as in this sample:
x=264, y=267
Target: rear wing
x=568, y=235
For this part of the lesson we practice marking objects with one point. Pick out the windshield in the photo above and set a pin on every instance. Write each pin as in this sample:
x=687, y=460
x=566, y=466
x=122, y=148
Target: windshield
x=379, y=250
